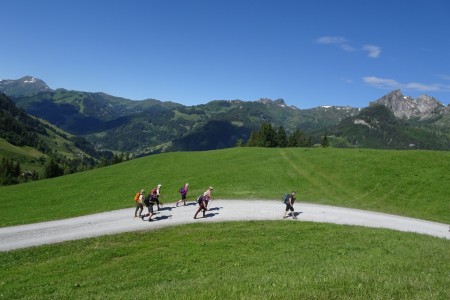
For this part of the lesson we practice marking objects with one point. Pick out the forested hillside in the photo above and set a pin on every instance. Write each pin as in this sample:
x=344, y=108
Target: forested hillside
x=31, y=149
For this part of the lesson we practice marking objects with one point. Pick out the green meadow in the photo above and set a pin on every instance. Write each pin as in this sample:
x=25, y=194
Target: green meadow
x=408, y=183
x=234, y=260
x=240, y=260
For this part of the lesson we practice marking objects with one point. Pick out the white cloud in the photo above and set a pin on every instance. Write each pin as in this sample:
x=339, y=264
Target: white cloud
x=382, y=82
x=347, y=48
x=326, y=40
x=385, y=83
x=422, y=87
x=373, y=51
x=335, y=40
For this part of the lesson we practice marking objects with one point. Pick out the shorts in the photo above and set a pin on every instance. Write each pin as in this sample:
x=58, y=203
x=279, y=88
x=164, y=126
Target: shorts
x=183, y=196
x=289, y=207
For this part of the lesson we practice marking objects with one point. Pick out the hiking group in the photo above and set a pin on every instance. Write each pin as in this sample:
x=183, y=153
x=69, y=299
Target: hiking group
x=149, y=201
x=203, y=201
x=153, y=198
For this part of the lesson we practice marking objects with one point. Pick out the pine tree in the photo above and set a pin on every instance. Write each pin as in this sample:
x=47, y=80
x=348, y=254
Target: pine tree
x=267, y=136
x=53, y=170
x=325, y=142
x=281, y=137
x=252, y=140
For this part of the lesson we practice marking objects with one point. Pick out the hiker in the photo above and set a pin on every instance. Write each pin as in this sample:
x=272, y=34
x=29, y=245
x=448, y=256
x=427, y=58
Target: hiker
x=289, y=200
x=201, y=206
x=183, y=191
x=139, y=207
x=149, y=201
x=156, y=193
x=207, y=196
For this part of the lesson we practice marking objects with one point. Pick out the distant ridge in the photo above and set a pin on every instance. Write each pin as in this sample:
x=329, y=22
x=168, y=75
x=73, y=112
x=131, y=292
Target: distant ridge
x=143, y=127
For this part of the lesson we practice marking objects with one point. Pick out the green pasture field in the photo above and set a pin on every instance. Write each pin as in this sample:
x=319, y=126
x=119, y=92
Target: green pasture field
x=234, y=260
x=240, y=260
x=408, y=183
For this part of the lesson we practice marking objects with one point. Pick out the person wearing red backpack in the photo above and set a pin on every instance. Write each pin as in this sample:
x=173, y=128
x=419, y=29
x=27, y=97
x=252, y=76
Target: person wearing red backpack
x=156, y=193
x=203, y=201
x=139, y=207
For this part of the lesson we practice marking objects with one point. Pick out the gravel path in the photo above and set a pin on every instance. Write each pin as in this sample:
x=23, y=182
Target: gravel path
x=122, y=220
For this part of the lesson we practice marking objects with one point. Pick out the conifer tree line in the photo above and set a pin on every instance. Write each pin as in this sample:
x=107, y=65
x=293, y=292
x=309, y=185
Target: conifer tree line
x=11, y=171
x=267, y=136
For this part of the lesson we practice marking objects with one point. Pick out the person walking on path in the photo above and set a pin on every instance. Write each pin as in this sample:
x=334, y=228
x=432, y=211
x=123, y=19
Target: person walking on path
x=149, y=202
x=201, y=206
x=207, y=196
x=156, y=193
x=289, y=200
x=183, y=191
x=139, y=207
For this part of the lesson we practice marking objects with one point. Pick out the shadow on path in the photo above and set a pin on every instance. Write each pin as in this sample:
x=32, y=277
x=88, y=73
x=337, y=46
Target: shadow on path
x=159, y=218
x=169, y=208
x=210, y=215
x=215, y=208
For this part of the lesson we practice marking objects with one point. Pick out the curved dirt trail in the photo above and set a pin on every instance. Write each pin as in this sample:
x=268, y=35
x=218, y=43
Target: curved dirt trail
x=122, y=220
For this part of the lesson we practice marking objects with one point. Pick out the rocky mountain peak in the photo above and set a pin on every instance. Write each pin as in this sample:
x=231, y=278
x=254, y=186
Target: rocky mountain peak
x=23, y=86
x=406, y=107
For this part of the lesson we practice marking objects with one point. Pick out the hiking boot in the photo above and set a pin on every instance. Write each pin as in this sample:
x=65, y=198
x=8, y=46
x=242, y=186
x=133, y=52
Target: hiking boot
x=142, y=217
x=150, y=220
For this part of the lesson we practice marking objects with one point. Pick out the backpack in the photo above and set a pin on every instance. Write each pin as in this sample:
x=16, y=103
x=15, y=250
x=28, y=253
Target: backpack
x=199, y=198
x=136, y=197
x=153, y=192
x=286, y=198
x=147, y=200
x=181, y=191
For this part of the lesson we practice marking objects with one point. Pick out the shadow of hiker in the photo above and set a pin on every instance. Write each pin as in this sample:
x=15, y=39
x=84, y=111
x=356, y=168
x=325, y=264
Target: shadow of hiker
x=210, y=215
x=191, y=204
x=215, y=208
x=169, y=208
x=298, y=213
x=159, y=218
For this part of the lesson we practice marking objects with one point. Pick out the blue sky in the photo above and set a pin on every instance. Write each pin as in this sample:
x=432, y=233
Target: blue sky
x=309, y=53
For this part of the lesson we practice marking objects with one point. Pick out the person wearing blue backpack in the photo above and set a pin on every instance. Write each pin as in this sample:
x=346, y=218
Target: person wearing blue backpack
x=289, y=200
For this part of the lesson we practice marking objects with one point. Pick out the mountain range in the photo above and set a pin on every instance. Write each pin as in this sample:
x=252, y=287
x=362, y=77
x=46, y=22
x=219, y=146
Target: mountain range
x=149, y=126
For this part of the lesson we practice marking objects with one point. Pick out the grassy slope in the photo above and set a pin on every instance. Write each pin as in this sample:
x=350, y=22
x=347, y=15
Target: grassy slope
x=234, y=260
x=240, y=260
x=410, y=183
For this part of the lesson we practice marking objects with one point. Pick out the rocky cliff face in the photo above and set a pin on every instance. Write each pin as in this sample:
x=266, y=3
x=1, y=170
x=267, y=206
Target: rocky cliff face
x=406, y=107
